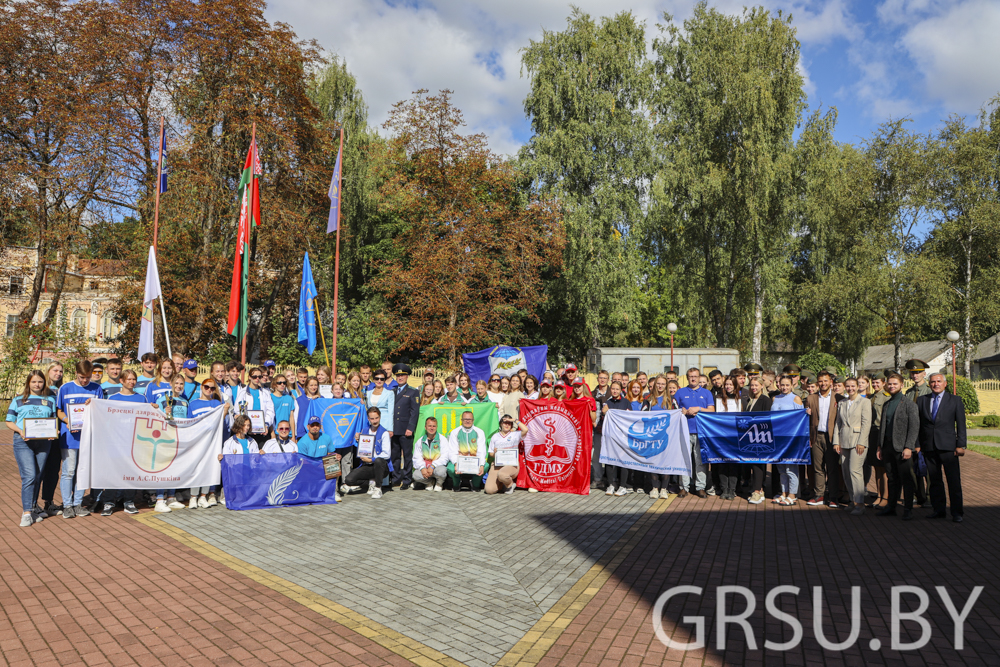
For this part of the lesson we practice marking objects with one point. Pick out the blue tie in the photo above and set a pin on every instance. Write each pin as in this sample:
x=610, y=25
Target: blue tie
x=934, y=408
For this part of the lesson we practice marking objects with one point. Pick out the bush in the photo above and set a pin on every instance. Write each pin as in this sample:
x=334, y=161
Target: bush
x=991, y=421
x=816, y=361
x=967, y=392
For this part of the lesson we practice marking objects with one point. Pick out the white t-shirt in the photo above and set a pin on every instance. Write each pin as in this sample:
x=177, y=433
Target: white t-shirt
x=824, y=411
x=731, y=405
x=501, y=441
x=272, y=447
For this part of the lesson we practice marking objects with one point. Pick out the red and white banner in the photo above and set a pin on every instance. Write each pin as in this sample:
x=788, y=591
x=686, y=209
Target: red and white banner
x=556, y=451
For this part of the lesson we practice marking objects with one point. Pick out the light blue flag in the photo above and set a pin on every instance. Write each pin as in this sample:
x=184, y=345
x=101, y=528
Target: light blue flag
x=334, y=194
x=307, y=308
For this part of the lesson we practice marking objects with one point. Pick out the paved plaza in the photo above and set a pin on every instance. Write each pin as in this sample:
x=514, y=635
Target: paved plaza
x=448, y=578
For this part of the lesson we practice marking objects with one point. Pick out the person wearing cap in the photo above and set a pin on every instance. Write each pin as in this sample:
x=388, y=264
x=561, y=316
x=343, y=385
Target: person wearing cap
x=822, y=410
x=189, y=369
x=559, y=390
x=839, y=386
x=918, y=375
x=503, y=480
x=429, y=376
x=545, y=389
x=316, y=444
x=466, y=440
x=570, y=376
x=430, y=458
x=270, y=368
x=406, y=409
x=811, y=386
x=254, y=397
x=451, y=394
x=794, y=372
x=897, y=446
x=941, y=442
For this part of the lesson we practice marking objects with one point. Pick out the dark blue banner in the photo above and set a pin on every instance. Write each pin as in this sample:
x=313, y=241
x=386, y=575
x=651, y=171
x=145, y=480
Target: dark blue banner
x=754, y=437
x=505, y=361
x=257, y=481
x=342, y=418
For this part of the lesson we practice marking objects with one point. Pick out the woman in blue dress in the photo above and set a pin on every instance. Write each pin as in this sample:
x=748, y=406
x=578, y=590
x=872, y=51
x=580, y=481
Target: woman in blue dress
x=786, y=400
x=34, y=402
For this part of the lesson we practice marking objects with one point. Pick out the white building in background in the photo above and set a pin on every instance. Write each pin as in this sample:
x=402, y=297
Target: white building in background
x=90, y=290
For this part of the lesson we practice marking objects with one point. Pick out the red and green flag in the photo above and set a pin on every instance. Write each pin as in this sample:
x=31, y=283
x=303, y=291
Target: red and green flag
x=249, y=193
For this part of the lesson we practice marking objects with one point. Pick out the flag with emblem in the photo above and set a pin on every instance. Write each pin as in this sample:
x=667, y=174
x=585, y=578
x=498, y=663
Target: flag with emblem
x=334, y=220
x=162, y=184
x=249, y=193
x=307, y=308
x=152, y=293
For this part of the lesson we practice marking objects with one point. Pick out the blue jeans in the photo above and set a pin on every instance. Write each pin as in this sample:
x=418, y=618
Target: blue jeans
x=696, y=466
x=30, y=456
x=67, y=482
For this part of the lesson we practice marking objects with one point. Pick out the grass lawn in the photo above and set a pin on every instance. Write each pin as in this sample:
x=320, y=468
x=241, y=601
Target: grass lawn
x=985, y=438
x=977, y=420
x=993, y=452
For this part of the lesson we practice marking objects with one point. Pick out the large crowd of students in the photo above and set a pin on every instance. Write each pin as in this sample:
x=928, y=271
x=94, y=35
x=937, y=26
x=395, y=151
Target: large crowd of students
x=871, y=442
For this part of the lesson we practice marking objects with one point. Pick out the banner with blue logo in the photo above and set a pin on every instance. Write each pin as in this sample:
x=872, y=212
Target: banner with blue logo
x=258, y=481
x=656, y=442
x=505, y=361
x=754, y=437
x=342, y=418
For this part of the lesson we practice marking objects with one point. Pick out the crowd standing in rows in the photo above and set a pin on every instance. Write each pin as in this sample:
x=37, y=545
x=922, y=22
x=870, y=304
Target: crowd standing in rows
x=870, y=441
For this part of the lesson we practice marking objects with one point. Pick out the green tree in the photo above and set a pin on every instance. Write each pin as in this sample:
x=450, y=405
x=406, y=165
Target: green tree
x=728, y=98
x=588, y=100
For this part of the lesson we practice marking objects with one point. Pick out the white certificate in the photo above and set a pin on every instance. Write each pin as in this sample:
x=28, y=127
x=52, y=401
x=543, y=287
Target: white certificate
x=505, y=457
x=467, y=465
x=257, y=424
x=326, y=390
x=366, y=445
x=76, y=412
x=38, y=429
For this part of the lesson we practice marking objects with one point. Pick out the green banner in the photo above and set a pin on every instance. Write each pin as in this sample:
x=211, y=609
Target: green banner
x=449, y=416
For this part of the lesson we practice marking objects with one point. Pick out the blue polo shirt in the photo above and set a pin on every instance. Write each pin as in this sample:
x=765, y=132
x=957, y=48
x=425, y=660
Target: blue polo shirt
x=131, y=398
x=70, y=394
x=141, y=382
x=318, y=448
x=686, y=397
x=33, y=407
x=111, y=388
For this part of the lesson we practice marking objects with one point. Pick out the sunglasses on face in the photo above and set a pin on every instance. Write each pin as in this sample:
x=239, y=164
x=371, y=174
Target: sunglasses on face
x=283, y=430
x=281, y=384
x=208, y=386
x=255, y=377
x=380, y=379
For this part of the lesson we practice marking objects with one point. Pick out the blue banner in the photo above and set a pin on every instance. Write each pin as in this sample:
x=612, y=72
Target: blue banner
x=505, y=361
x=754, y=437
x=342, y=418
x=258, y=481
x=307, y=307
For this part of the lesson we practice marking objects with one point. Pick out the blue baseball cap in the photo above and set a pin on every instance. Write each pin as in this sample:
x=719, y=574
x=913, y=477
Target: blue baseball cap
x=270, y=363
x=190, y=364
x=315, y=420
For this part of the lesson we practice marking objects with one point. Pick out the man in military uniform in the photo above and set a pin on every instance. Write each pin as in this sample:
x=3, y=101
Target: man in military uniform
x=877, y=467
x=406, y=409
x=918, y=374
x=793, y=371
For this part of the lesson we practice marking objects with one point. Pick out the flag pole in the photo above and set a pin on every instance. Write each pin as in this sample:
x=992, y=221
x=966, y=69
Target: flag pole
x=159, y=177
x=246, y=325
x=319, y=321
x=336, y=260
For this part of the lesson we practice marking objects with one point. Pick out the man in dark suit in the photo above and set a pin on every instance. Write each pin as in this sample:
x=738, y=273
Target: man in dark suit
x=404, y=422
x=897, y=442
x=942, y=441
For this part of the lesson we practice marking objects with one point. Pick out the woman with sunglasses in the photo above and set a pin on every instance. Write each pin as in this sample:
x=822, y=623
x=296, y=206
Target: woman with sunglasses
x=302, y=406
x=494, y=390
x=282, y=399
x=382, y=398
x=208, y=399
x=255, y=397
x=502, y=479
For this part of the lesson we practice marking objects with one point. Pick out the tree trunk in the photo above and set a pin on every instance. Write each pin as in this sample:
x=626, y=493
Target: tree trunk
x=967, y=344
x=452, y=321
x=727, y=317
x=758, y=308
x=275, y=290
x=38, y=284
x=57, y=294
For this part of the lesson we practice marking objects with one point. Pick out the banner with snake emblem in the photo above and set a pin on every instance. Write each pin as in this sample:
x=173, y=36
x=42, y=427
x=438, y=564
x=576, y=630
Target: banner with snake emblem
x=557, y=447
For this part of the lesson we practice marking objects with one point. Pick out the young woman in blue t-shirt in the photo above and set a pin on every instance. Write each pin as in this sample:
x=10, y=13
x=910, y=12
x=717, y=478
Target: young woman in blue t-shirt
x=209, y=398
x=35, y=402
x=160, y=385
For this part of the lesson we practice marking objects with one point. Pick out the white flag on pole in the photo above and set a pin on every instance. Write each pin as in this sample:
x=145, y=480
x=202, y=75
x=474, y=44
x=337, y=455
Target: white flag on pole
x=152, y=293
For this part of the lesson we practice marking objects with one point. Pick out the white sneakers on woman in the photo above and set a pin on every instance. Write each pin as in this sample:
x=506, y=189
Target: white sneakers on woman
x=193, y=503
x=161, y=506
x=655, y=494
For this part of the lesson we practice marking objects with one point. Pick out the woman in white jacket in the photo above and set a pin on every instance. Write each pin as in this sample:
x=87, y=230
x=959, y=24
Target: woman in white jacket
x=255, y=397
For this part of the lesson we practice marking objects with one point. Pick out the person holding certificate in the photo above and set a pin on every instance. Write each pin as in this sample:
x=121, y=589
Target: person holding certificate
x=255, y=402
x=32, y=417
x=430, y=457
x=71, y=402
x=374, y=448
x=503, y=450
x=466, y=454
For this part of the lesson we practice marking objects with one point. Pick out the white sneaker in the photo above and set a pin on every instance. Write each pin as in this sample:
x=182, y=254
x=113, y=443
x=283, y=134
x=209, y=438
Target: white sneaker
x=621, y=491
x=174, y=505
x=655, y=494
x=222, y=500
x=371, y=487
x=26, y=520
x=510, y=489
x=630, y=491
x=532, y=490
x=377, y=493
x=352, y=489
x=203, y=502
x=437, y=487
x=193, y=503
x=338, y=498
x=610, y=491
x=711, y=491
x=161, y=506
x=212, y=502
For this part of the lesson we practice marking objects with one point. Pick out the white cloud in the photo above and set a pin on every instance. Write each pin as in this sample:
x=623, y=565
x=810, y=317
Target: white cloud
x=472, y=46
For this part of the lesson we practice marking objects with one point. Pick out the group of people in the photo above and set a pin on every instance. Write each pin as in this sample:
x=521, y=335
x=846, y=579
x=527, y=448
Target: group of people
x=863, y=430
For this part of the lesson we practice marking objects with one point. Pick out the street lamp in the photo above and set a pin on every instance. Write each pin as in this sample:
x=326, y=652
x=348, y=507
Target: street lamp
x=671, y=328
x=953, y=337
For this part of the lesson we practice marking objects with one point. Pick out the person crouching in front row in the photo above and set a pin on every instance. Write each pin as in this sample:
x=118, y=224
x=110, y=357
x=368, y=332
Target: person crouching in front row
x=430, y=458
x=374, y=468
x=502, y=479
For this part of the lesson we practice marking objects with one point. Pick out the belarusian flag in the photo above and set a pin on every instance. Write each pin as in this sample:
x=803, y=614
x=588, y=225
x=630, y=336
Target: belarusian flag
x=249, y=189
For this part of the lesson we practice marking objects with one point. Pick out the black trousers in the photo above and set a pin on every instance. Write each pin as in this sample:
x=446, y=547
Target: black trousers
x=402, y=458
x=613, y=472
x=50, y=474
x=899, y=473
x=947, y=461
x=365, y=473
x=757, y=476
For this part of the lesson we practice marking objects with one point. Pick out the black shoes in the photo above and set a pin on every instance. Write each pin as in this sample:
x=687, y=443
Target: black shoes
x=888, y=511
x=936, y=515
x=907, y=515
x=957, y=518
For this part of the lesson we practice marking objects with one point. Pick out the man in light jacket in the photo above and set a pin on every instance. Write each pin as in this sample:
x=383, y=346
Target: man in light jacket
x=467, y=440
x=897, y=444
x=850, y=441
x=430, y=457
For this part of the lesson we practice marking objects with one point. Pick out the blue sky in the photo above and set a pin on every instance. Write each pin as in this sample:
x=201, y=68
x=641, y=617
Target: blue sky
x=923, y=59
